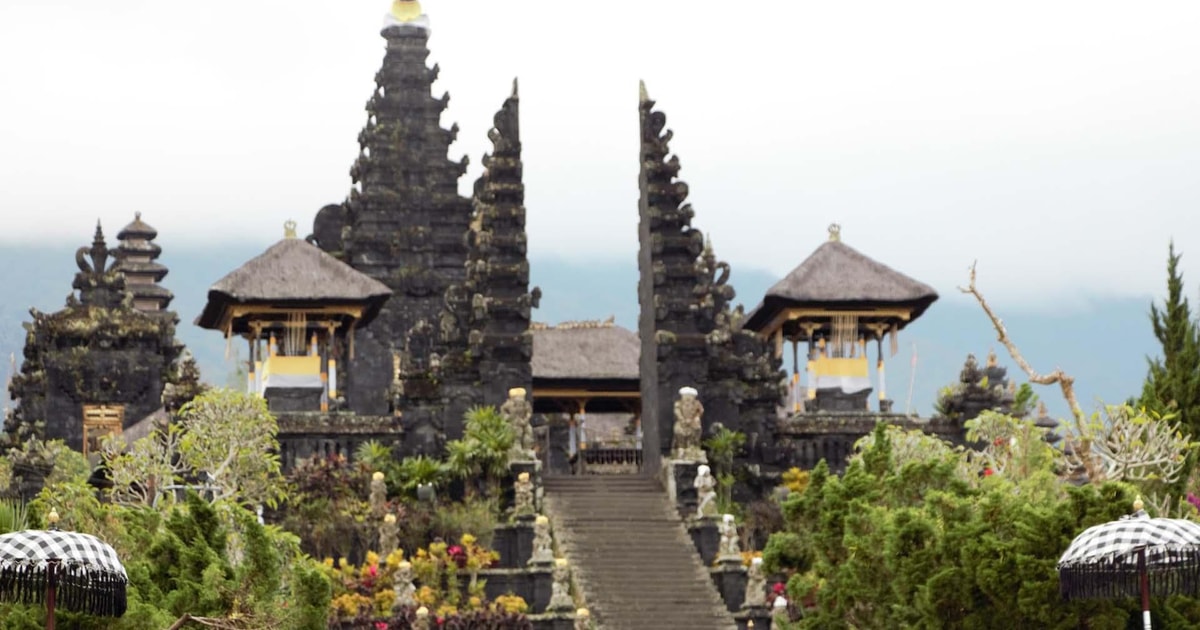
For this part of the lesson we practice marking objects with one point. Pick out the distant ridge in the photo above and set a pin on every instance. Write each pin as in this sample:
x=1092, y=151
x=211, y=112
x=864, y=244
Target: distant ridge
x=1103, y=344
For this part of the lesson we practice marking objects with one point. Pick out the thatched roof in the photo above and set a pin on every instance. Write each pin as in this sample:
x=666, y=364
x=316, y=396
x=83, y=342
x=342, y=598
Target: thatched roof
x=293, y=271
x=837, y=276
x=585, y=350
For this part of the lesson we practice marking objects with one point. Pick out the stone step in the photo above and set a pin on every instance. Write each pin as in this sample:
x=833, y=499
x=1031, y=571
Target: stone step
x=632, y=555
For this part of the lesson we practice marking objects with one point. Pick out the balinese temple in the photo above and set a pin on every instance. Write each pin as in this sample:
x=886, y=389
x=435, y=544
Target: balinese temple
x=297, y=308
x=99, y=365
x=841, y=305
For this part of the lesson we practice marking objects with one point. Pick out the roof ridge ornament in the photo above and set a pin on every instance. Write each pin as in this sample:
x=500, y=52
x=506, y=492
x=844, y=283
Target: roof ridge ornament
x=835, y=232
x=289, y=229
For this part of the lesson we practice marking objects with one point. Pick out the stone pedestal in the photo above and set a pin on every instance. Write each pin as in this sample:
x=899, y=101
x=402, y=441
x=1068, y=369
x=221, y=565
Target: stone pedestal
x=730, y=580
x=514, y=543
x=678, y=477
x=555, y=621
x=533, y=585
x=706, y=536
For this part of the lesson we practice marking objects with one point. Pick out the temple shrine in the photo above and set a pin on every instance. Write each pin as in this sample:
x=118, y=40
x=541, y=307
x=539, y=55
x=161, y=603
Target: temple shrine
x=297, y=308
x=838, y=303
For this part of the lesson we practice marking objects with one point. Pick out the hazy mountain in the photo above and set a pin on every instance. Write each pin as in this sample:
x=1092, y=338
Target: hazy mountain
x=1103, y=344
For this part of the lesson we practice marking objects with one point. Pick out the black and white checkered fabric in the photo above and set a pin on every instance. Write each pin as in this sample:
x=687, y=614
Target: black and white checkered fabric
x=1104, y=560
x=1117, y=539
x=88, y=575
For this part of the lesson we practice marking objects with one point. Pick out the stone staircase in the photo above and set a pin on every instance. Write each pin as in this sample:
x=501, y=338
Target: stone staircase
x=632, y=557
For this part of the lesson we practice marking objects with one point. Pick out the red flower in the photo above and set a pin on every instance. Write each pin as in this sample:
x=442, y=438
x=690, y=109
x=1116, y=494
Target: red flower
x=373, y=570
x=777, y=588
x=381, y=625
x=987, y=472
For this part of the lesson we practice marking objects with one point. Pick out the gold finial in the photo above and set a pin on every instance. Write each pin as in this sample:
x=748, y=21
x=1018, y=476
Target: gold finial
x=835, y=232
x=422, y=613
x=378, y=476
x=560, y=562
x=52, y=518
x=389, y=519
x=541, y=519
x=517, y=392
x=289, y=229
x=582, y=613
x=406, y=10
x=1137, y=504
x=643, y=95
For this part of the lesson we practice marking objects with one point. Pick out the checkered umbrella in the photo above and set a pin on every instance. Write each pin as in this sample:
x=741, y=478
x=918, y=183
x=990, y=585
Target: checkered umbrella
x=87, y=575
x=1136, y=555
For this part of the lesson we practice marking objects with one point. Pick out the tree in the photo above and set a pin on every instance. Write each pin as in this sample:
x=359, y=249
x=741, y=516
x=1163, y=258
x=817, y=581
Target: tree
x=1173, y=382
x=225, y=442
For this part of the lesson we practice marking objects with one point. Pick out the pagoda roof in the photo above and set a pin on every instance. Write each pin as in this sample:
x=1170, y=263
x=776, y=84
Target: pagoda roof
x=293, y=272
x=586, y=351
x=839, y=277
x=137, y=229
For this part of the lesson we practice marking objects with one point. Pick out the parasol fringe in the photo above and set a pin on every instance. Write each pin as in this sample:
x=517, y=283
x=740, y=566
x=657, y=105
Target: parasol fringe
x=1169, y=572
x=80, y=589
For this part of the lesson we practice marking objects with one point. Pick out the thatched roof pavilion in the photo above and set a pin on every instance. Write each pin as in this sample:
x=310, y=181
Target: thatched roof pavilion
x=593, y=364
x=837, y=277
x=304, y=304
x=836, y=302
x=291, y=274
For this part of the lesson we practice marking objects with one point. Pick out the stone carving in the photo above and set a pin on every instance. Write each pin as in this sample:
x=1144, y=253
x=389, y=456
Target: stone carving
x=406, y=593
x=583, y=619
x=542, y=551
x=560, y=590
x=378, y=495
x=422, y=622
x=517, y=410
x=706, y=493
x=756, y=586
x=389, y=535
x=524, y=496
x=730, y=548
x=688, y=411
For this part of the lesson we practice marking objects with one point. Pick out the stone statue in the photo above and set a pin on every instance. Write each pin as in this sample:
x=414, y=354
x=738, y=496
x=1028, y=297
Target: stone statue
x=422, y=621
x=378, y=496
x=706, y=493
x=730, y=549
x=518, y=411
x=583, y=619
x=543, y=553
x=756, y=586
x=688, y=412
x=389, y=535
x=524, y=496
x=560, y=590
x=406, y=593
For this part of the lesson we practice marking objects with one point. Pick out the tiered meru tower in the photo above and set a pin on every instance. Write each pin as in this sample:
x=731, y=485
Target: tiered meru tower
x=454, y=334
x=690, y=336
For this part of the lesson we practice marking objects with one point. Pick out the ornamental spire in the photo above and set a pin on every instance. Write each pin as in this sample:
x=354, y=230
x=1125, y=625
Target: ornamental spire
x=406, y=13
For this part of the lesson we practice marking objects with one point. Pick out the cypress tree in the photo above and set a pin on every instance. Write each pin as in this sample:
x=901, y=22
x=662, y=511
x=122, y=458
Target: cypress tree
x=1173, y=382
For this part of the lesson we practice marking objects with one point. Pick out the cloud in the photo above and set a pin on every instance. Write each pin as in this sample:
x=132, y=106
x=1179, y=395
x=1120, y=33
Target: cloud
x=1055, y=143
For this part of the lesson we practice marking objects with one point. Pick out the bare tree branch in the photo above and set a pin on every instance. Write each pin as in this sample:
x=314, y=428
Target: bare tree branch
x=1083, y=443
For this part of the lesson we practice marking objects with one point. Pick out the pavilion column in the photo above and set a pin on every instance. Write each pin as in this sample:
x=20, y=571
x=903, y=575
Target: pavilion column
x=252, y=378
x=321, y=349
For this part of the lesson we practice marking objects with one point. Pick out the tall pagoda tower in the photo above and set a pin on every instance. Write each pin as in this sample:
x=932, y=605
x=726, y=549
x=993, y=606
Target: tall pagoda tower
x=493, y=305
x=137, y=258
x=403, y=225
x=689, y=334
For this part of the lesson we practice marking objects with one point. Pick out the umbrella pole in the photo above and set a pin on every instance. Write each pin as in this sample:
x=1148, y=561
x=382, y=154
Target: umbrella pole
x=51, y=591
x=1144, y=578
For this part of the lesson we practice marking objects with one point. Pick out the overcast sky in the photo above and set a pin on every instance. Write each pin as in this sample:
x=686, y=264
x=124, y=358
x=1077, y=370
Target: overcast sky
x=1056, y=142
